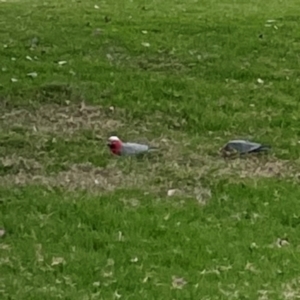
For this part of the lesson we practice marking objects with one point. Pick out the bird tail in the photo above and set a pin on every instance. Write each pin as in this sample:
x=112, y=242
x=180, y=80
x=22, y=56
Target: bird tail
x=263, y=148
x=153, y=149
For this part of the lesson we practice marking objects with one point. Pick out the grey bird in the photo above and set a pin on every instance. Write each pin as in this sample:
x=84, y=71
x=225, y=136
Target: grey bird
x=244, y=147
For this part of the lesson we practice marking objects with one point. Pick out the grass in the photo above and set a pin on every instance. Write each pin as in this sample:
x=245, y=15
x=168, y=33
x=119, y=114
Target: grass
x=186, y=77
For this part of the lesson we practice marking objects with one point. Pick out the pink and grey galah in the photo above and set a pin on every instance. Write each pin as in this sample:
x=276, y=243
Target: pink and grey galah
x=117, y=147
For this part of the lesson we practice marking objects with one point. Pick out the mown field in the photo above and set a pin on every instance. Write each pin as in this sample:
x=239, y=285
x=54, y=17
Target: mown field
x=185, y=76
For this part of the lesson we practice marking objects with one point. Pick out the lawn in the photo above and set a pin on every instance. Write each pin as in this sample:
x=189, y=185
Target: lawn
x=185, y=76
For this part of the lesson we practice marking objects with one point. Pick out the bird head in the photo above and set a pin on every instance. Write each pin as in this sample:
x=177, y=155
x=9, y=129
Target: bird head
x=115, y=145
x=227, y=151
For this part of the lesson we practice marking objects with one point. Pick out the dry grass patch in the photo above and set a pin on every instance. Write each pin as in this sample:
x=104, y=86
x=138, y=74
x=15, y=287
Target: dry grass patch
x=14, y=164
x=291, y=290
x=180, y=165
x=68, y=119
x=161, y=61
x=158, y=176
x=85, y=177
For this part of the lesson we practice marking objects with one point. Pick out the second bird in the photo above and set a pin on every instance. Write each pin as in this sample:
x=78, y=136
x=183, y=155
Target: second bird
x=244, y=147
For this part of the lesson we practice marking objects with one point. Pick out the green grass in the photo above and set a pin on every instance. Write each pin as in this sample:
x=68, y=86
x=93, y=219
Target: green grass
x=183, y=76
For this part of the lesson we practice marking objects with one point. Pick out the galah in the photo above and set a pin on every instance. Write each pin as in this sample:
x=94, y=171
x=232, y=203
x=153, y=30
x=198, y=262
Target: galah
x=117, y=147
x=244, y=147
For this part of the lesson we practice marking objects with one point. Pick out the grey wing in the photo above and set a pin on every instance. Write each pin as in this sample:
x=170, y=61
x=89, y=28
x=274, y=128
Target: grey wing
x=134, y=148
x=243, y=146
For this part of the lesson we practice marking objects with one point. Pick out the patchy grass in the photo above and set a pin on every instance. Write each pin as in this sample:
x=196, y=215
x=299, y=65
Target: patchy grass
x=65, y=146
x=78, y=223
x=129, y=243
